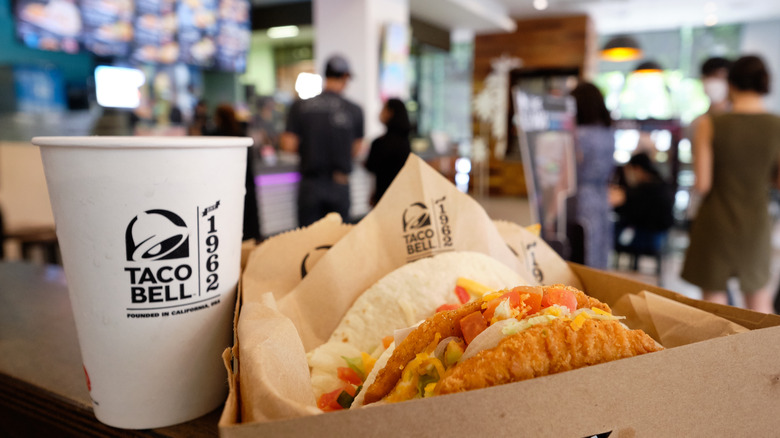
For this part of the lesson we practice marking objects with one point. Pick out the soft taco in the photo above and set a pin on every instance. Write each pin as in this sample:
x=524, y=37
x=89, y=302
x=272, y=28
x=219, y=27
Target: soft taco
x=503, y=337
x=402, y=298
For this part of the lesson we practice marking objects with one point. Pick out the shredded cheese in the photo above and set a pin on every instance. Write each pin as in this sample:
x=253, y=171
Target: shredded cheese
x=579, y=320
x=473, y=287
x=368, y=362
x=429, y=389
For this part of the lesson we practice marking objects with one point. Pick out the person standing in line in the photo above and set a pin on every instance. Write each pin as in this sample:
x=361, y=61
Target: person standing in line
x=714, y=79
x=327, y=133
x=595, y=146
x=389, y=152
x=734, y=156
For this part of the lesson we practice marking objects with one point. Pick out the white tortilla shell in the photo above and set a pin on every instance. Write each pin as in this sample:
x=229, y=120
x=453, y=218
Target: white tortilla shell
x=400, y=299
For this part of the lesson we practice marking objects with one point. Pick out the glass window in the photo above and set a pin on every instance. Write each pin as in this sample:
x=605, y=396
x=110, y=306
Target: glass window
x=676, y=93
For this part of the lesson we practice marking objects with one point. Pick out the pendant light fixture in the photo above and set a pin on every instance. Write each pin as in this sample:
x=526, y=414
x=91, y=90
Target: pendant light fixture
x=621, y=48
x=648, y=67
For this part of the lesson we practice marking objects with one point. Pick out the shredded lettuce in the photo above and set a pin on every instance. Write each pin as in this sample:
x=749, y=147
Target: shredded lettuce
x=516, y=326
x=356, y=363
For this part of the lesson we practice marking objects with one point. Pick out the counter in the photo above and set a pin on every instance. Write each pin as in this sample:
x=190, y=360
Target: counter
x=42, y=386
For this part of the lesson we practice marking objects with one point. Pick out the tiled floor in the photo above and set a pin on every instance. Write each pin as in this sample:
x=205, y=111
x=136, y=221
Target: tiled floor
x=517, y=210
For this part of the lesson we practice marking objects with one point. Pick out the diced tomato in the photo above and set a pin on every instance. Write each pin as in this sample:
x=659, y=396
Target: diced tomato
x=462, y=294
x=447, y=306
x=514, y=298
x=349, y=375
x=561, y=297
x=514, y=302
x=491, y=308
x=329, y=401
x=471, y=325
x=387, y=340
x=532, y=298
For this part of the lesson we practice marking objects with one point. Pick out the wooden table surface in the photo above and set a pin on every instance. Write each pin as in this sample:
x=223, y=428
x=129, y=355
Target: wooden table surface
x=42, y=386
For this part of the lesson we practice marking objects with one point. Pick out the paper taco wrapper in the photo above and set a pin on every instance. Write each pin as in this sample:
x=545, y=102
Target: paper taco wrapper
x=279, y=263
x=274, y=380
x=671, y=323
x=537, y=261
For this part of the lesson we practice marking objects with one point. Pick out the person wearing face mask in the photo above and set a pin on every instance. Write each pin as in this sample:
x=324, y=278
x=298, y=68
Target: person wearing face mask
x=714, y=73
x=734, y=155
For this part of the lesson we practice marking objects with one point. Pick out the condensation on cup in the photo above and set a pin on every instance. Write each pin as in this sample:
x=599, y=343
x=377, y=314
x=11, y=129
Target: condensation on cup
x=150, y=233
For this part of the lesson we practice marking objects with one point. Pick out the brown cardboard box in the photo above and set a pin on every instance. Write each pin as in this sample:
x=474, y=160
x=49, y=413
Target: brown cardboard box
x=727, y=386
x=708, y=382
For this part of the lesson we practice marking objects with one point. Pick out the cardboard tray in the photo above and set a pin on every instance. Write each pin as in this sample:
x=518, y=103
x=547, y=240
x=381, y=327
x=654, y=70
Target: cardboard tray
x=728, y=386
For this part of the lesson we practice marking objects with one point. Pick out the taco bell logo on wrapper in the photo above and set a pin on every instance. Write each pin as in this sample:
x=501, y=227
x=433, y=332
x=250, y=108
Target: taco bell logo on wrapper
x=164, y=279
x=416, y=216
x=426, y=230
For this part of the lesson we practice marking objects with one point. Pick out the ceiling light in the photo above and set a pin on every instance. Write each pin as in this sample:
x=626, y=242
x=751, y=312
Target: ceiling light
x=649, y=67
x=540, y=5
x=711, y=20
x=621, y=48
x=308, y=85
x=282, y=32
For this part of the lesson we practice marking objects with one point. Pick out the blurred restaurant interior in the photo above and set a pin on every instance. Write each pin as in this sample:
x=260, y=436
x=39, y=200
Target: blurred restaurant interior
x=483, y=82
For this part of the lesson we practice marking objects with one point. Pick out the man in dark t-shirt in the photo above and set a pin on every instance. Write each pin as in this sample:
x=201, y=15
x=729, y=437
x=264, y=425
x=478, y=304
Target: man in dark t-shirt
x=327, y=133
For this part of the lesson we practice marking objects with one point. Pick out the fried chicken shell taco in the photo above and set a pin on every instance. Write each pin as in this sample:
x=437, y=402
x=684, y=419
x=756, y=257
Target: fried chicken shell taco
x=508, y=336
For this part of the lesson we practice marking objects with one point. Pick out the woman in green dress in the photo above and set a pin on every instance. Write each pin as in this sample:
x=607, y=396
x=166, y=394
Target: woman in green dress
x=734, y=157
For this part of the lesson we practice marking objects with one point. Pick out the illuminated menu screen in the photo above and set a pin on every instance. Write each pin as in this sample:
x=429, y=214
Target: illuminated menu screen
x=155, y=32
x=107, y=26
x=201, y=33
x=234, y=35
x=49, y=24
x=198, y=28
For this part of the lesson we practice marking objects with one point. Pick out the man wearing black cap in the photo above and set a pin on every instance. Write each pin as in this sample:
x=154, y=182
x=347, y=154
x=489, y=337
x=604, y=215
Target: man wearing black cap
x=327, y=132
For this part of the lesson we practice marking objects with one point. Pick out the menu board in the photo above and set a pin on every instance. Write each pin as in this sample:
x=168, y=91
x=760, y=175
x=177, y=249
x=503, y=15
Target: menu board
x=234, y=35
x=49, y=24
x=201, y=33
x=107, y=26
x=155, y=32
x=198, y=28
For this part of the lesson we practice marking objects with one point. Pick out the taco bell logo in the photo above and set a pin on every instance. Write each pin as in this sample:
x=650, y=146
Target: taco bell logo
x=416, y=216
x=157, y=235
x=426, y=229
x=418, y=233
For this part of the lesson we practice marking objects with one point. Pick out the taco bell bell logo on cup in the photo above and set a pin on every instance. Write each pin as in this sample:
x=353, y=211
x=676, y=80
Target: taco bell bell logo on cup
x=150, y=232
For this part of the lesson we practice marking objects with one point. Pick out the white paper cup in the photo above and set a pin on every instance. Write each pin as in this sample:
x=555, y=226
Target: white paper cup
x=150, y=234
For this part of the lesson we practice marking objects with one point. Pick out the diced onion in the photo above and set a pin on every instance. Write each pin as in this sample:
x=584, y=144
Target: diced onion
x=489, y=338
x=499, y=330
x=442, y=347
